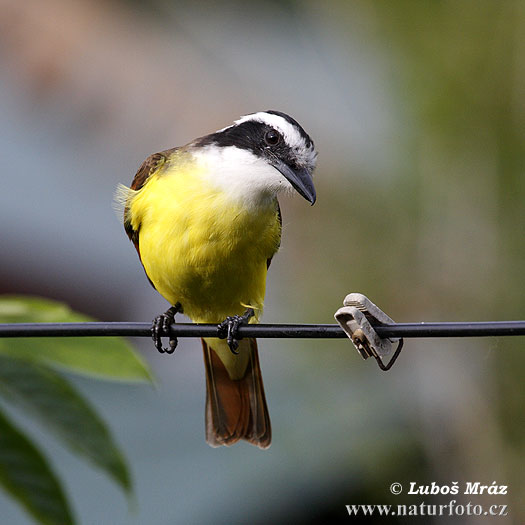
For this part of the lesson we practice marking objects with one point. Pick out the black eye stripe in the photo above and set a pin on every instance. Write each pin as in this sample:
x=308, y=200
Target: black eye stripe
x=251, y=135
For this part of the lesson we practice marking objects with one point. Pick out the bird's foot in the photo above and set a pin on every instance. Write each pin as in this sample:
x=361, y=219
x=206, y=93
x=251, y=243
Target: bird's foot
x=161, y=326
x=229, y=327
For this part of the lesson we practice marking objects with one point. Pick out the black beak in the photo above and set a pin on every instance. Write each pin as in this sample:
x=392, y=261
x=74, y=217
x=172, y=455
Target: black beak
x=300, y=179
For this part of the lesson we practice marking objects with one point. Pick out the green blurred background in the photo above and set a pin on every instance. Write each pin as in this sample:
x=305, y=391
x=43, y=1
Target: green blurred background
x=418, y=112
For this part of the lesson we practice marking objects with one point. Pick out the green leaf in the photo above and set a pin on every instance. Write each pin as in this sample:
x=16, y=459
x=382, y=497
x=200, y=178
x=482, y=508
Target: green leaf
x=104, y=357
x=65, y=412
x=26, y=475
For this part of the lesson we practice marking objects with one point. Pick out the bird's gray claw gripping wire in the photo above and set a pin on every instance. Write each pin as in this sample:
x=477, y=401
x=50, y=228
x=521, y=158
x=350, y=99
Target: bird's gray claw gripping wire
x=229, y=328
x=161, y=326
x=357, y=318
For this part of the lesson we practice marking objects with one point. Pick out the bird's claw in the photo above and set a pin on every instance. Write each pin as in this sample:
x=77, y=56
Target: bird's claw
x=229, y=328
x=161, y=326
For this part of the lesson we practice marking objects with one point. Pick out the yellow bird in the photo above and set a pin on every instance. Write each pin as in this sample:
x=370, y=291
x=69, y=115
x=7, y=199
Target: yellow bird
x=206, y=223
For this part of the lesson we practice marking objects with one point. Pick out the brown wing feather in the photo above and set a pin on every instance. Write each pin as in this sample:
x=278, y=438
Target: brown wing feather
x=235, y=409
x=147, y=168
x=152, y=164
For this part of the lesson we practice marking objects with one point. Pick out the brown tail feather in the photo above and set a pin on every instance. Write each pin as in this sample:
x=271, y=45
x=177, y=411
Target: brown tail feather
x=235, y=409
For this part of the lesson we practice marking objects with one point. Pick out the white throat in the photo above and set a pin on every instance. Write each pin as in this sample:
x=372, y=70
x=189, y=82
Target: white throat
x=240, y=174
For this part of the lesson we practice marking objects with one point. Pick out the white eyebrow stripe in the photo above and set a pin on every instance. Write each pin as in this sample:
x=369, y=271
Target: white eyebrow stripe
x=288, y=131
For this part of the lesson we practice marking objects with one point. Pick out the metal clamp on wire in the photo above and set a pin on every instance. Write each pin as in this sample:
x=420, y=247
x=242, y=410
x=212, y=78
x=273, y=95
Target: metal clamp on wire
x=357, y=318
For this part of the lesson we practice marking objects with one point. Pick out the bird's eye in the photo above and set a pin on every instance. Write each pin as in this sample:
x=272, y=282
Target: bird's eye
x=272, y=137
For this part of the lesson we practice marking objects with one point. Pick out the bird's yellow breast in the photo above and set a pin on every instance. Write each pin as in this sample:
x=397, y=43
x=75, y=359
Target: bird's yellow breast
x=201, y=248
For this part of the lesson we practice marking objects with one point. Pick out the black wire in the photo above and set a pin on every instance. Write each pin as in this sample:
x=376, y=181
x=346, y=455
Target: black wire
x=304, y=331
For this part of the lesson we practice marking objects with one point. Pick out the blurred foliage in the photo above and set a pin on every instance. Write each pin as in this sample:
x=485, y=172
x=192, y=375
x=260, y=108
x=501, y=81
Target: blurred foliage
x=28, y=379
x=109, y=358
x=27, y=476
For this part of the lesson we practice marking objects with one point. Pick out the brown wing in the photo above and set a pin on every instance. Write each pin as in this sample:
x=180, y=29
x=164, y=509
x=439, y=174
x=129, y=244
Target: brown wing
x=152, y=164
x=148, y=167
x=280, y=217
